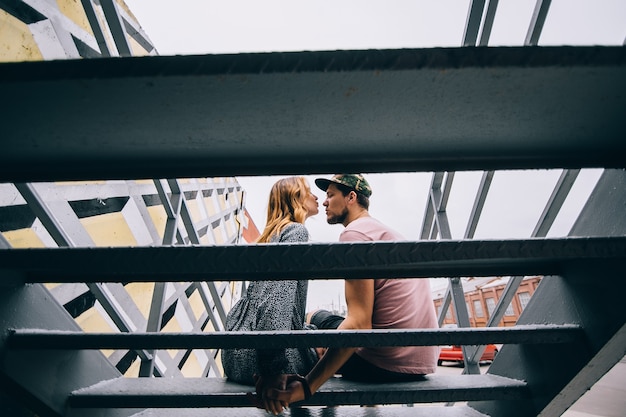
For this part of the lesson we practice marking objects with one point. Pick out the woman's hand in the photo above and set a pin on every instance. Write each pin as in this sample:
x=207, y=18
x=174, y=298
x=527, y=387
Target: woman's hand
x=264, y=387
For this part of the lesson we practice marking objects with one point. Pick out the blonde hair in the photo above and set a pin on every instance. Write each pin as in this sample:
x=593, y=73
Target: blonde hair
x=286, y=205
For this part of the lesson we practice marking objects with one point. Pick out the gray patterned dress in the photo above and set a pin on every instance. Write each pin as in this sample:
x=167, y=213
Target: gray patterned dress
x=270, y=305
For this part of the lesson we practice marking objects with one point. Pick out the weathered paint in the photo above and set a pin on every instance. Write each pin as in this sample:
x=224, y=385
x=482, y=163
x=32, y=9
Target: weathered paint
x=16, y=40
x=74, y=10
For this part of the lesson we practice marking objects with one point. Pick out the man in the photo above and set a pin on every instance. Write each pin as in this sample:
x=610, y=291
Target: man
x=371, y=304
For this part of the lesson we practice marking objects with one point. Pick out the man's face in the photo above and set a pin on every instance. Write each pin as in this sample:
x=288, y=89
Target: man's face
x=336, y=205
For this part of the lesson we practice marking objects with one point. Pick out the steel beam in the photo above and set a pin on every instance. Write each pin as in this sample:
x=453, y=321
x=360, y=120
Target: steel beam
x=553, y=206
x=434, y=110
x=116, y=25
x=479, y=203
x=216, y=392
x=586, y=295
x=44, y=214
x=472, y=24
x=490, y=16
x=528, y=334
x=314, y=261
x=42, y=381
x=94, y=22
x=555, y=202
x=153, y=324
x=537, y=21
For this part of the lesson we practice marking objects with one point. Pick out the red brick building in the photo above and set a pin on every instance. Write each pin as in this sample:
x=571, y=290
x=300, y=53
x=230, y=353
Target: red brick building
x=481, y=298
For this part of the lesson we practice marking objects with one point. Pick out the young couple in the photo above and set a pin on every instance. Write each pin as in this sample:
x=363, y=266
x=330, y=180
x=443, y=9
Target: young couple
x=284, y=376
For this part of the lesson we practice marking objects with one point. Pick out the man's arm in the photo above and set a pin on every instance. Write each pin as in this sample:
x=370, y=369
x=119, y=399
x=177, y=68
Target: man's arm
x=360, y=303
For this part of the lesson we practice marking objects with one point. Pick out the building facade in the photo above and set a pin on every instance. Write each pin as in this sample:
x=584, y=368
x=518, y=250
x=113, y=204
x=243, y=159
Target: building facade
x=120, y=213
x=481, y=297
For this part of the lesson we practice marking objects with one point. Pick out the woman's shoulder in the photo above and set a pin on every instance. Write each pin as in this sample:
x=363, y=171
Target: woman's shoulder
x=293, y=232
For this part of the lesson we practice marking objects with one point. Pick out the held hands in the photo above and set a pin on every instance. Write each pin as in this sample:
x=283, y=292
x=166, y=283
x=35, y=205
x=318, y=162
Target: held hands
x=276, y=394
x=264, y=386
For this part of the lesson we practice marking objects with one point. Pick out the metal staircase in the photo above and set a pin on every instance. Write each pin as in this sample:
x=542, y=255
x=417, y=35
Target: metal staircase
x=439, y=110
x=563, y=109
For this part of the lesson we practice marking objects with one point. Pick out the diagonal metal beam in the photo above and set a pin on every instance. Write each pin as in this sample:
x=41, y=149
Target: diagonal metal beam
x=553, y=206
x=94, y=22
x=100, y=290
x=555, y=202
x=4, y=243
x=472, y=24
x=429, y=212
x=479, y=204
x=551, y=210
x=192, y=234
x=462, y=319
x=172, y=207
x=41, y=211
x=116, y=25
x=490, y=15
x=153, y=324
x=537, y=21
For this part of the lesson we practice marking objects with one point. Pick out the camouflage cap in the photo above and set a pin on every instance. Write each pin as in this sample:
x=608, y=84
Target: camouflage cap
x=354, y=181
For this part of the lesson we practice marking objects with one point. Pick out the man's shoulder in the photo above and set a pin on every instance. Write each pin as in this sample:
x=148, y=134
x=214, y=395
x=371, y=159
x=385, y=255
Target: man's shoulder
x=368, y=229
x=360, y=229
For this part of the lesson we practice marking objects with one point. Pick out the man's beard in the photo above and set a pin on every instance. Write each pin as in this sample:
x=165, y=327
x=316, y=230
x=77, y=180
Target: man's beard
x=339, y=218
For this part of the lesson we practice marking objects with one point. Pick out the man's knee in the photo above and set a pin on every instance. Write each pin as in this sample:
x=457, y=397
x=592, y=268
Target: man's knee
x=324, y=319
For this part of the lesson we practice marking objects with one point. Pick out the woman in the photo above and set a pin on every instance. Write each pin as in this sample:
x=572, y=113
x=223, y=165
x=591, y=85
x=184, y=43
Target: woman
x=275, y=305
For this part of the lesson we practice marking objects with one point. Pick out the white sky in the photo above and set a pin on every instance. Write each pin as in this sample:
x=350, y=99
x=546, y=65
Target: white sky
x=516, y=199
x=208, y=26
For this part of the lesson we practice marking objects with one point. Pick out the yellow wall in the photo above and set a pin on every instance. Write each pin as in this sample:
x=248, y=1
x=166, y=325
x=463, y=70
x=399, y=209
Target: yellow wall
x=136, y=48
x=159, y=218
x=74, y=10
x=23, y=238
x=109, y=230
x=16, y=41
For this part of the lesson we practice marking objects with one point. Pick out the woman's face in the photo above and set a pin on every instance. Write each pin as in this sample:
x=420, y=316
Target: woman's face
x=310, y=203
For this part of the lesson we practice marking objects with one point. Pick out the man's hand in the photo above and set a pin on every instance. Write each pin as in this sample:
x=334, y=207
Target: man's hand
x=294, y=391
x=264, y=387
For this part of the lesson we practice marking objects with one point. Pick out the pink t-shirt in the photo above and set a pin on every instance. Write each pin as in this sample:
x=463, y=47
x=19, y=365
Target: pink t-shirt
x=398, y=304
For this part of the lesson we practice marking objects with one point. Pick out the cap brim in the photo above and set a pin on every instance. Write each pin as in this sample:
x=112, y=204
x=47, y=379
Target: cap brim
x=322, y=183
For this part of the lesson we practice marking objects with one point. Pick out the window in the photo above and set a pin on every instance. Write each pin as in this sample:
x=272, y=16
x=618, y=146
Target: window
x=478, y=309
x=524, y=298
x=491, y=305
x=509, y=310
x=448, y=311
x=469, y=309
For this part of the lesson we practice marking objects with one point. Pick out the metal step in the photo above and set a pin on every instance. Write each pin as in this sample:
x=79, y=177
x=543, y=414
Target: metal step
x=423, y=259
x=434, y=110
x=218, y=392
x=346, y=411
x=522, y=334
